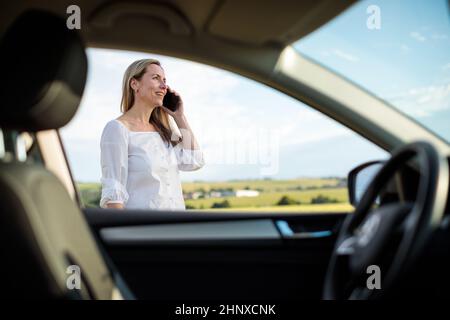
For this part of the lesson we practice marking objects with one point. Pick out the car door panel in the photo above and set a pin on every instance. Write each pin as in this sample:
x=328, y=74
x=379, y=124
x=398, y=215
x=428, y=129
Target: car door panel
x=218, y=256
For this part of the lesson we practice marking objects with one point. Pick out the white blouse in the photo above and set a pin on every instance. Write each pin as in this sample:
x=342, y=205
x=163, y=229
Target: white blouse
x=140, y=171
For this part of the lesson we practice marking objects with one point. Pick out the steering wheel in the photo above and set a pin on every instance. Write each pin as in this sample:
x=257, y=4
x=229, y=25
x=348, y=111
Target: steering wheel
x=392, y=235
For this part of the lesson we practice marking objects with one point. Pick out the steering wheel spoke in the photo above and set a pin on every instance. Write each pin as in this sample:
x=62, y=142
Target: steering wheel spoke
x=347, y=246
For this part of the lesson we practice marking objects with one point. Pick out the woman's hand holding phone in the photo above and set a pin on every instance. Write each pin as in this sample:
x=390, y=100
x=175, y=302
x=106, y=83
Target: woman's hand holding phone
x=173, y=104
x=188, y=139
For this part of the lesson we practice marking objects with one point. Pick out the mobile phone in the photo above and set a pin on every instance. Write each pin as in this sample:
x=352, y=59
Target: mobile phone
x=170, y=101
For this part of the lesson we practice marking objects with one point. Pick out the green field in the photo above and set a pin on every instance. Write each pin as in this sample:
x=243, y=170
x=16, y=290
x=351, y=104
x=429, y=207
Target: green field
x=264, y=185
x=305, y=208
x=271, y=198
x=300, y=191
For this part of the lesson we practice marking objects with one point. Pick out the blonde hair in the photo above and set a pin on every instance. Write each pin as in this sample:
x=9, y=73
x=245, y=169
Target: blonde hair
x=159, y=118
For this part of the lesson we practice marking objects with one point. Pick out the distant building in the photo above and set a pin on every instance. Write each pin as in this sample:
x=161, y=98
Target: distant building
x=197, y=195
x=194, y=195
x=247, y=193
x=227, y=193
x=215, y=194
x=221, y=194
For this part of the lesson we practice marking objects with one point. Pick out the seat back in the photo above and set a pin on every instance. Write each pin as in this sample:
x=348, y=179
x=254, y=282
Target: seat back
x=45, y=240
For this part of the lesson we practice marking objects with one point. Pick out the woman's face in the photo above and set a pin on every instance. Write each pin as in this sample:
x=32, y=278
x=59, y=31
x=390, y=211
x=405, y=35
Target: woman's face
x=152, y=86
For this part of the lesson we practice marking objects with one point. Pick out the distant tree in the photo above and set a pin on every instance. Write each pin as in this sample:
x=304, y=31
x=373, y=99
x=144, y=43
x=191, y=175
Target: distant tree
x=323, y=199
x=91, y=197
x=286, y=201
x=188, y=206
x=223, y=204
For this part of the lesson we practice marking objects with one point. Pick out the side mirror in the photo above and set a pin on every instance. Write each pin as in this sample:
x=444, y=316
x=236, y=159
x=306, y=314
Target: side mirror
x=360, y=178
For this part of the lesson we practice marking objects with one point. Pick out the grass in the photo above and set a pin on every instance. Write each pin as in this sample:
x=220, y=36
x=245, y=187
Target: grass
x=307, y=208
x=90, y=193
x=88, y=186
x=263, y=185
x=271, y=198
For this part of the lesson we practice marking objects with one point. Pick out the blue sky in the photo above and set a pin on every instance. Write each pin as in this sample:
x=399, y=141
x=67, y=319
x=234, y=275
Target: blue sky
x=405, y=62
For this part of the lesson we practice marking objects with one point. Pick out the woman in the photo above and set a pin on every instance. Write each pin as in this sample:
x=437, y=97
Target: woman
x=141, y=154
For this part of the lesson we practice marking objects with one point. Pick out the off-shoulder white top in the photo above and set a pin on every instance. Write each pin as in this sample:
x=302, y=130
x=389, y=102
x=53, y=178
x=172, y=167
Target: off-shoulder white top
x=141, y=171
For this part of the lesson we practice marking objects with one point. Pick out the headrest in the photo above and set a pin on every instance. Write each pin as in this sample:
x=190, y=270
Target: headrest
x=44, y=67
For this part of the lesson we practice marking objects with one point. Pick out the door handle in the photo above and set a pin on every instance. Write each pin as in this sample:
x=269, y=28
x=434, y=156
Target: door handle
x=287, y=232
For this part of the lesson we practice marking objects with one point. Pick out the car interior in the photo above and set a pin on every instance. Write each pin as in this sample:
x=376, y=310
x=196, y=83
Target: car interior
x=201, y=255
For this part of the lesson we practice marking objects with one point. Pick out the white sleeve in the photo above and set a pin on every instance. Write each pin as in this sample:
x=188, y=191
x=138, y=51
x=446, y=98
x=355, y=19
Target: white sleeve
x=189, y=160
x=114, y=162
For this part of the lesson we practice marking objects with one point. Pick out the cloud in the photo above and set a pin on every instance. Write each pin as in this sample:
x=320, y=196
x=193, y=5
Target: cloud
x=346, y=56
x=439, y=36
x=340, y=54
x=423, y=101
x=417, y=36
x=404, y=48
